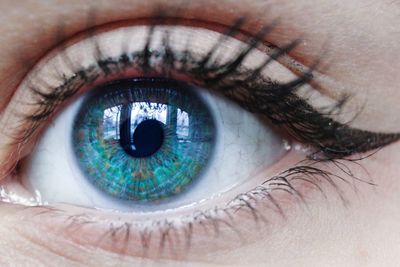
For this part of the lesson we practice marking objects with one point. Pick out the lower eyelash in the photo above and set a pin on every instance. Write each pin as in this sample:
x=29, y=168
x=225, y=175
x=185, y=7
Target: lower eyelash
x=166, y=235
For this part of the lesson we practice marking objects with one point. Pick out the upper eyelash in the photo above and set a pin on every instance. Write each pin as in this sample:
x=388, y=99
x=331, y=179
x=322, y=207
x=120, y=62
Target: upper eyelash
x=248, y=88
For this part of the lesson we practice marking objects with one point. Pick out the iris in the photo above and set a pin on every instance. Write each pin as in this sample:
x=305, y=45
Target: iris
x=143, y=139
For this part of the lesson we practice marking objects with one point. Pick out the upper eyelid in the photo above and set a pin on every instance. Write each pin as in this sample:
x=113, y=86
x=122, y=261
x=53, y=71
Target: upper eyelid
x=101, y=57
x=295, y=67
x=249, y=45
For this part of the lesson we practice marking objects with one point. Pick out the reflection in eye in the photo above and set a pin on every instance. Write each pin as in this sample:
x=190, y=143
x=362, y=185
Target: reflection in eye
x=143, y=142
x=246, y=73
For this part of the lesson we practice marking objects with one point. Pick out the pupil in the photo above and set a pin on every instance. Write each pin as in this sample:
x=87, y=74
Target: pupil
x=143, y=140
x=148, y=138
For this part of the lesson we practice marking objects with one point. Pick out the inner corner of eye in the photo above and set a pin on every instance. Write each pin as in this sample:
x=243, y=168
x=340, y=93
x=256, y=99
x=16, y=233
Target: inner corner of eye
x=145, y=144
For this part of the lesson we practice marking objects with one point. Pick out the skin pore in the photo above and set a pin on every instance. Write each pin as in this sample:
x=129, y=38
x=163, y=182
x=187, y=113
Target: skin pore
x=361, y=40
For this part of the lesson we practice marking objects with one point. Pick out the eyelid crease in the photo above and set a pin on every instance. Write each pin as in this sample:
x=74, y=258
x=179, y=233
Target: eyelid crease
x=256, y=93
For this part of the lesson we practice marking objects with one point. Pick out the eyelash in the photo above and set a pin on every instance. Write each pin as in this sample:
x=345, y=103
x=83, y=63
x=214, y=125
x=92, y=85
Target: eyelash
x=210, y=221
x=331, y=140
x=278, y=102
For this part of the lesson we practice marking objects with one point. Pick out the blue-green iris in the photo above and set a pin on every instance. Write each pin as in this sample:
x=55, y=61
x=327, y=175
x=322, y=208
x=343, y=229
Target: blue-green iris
x=143, y=139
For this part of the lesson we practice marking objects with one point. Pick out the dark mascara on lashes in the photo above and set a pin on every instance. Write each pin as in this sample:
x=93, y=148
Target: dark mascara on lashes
x=278, y=102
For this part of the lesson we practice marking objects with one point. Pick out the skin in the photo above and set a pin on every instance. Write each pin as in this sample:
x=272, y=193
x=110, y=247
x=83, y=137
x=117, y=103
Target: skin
x=361, y=39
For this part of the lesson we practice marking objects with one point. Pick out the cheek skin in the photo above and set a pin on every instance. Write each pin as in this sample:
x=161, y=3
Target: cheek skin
x=363, y=232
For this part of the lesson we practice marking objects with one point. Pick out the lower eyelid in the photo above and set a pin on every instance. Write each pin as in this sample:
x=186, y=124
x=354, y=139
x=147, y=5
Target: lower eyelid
x=190, y=237
x=94, y=228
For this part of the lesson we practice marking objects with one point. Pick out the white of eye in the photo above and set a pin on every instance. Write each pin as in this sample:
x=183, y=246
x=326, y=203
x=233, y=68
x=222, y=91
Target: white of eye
x=244, y=144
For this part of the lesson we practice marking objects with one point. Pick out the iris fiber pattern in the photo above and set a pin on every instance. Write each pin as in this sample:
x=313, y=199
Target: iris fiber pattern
x=143, y=139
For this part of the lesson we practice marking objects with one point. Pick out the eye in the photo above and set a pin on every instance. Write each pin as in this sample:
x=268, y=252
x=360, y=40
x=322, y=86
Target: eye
x=146, y=159
x=176, y=129
x=149, y=144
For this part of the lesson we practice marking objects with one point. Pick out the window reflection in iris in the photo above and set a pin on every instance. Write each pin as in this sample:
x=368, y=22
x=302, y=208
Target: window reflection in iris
x=143, y=144
x=140, y=112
